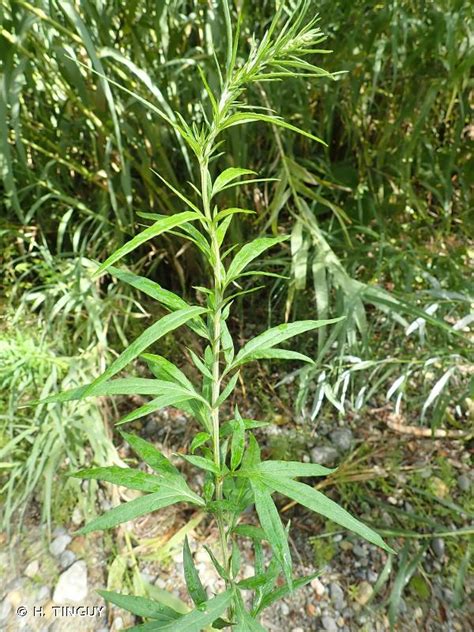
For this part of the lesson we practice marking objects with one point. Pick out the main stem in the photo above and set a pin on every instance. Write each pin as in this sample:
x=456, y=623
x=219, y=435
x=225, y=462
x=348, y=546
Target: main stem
x=216, y=350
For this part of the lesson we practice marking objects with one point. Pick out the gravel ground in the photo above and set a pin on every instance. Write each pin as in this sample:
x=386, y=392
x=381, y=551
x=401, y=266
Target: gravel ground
x=48, y=574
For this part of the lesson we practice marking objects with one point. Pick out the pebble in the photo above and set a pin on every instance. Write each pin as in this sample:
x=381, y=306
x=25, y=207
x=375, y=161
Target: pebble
x=372, y=576
x=364, y=593
x=32, y=569
x=337, y=596
x=418, y=614
x=72, y=584
x=43, y=595
x=437, y=546
x=284, y=609
x=66, y=559
x=297, y=630
x=76, y=517
x=464, y=483
x=329, y=624
x=324, y=455
x=318, y=587
x=359, y=550
x=59, y=544
x=340, y=622
x=342, y=439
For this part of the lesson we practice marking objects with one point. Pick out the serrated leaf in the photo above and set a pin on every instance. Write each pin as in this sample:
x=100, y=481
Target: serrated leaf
x=248, y=253
x=276, y=335
x=196, y=620
x=193, y=583
x=168, y=323
x=271, y=523
x=159, y=227
x=321, y=504
x=227, y=176
x=292, y=469
x=141, y=606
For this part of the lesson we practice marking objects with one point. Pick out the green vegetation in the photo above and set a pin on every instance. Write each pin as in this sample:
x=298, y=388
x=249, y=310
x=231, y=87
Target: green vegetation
x=93, y=100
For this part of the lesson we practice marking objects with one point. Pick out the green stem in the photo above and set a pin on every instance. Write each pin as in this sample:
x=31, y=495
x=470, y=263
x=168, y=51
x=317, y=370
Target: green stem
x=216, y=350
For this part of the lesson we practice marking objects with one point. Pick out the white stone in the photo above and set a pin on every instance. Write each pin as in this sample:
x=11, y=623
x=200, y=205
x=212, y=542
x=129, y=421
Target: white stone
x=72, y=584
x=318, y=587
x=32, y=569
x=59, y=544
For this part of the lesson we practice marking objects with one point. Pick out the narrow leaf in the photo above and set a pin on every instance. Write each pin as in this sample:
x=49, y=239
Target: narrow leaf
x=272, y=525
x=248, y=253
x=195, y=587
x=318, y=502
x=227, y=176
x=159, y=227
x=156, y=331
x=141, y=606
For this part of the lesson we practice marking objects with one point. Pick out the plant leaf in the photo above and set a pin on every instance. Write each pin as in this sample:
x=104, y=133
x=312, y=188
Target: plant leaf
x=201, y=463
x=196, y=620
x=237, y=444
x=124, y=476
x=248, y=253
x=279, y=354
x=152, y=457
x=149, y=336
x=141, y=606
x=272, y=525
x=318, y=502
x=276, y=335
x=159, y=227
x=135, y=508
x=227, y=176
x=249, y=117
x=291, y=469
x=195, y=587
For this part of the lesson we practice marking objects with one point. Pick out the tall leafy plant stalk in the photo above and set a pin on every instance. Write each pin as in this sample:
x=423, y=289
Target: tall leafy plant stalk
x=225, y=449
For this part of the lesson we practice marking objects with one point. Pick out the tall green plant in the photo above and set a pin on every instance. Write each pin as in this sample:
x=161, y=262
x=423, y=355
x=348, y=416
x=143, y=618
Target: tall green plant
x=226, y=450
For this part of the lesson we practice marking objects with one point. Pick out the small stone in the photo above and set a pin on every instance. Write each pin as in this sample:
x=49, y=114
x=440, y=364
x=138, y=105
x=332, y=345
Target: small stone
x=311, y=610
x=372, y=576
x=418, y=614
x=32, y=569
x=329, y=624
x=347, y=613
x=151, y=427
x=43, y=595
x=364, y=593
x=66, y=559
x=437, y=546
x=160, y=583
x=340, y=622
x=297, y=630
x=464, y=483
x=359, y=551
x=337, y=596
x=72, y=584
x=325, y=455
x=284, y=609
x=318, y=587
x=59, y=531
x=346, y=545
x=76, y=517
x=59, y=544
x=342, y=439
x=201, y=556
